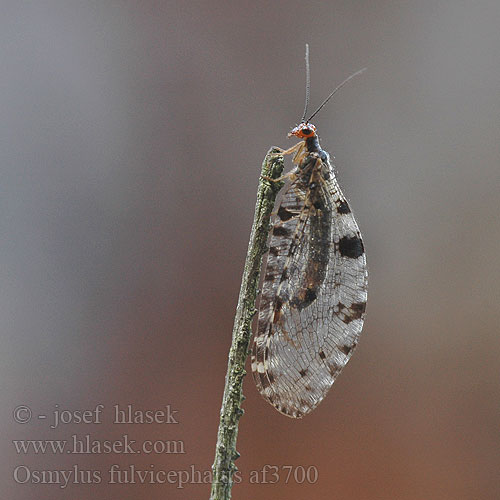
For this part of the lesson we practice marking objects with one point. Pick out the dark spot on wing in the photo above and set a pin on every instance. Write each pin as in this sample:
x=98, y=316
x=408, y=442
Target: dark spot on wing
x=310, y=296
x=354, y=312
x=270, y=275
x=274, y=251
x=346, y=349
x=351, y=247
x=285, y=214
x=343, y=207
x=281, y=231
x=357, y=309
x=303, y=373
x=322, y=355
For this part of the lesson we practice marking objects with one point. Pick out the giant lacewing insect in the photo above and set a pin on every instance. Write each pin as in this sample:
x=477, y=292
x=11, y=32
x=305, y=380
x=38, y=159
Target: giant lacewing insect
x=313, y=299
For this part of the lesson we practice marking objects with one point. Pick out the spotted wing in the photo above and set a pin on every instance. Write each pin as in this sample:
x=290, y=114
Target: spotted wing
x=313, y=298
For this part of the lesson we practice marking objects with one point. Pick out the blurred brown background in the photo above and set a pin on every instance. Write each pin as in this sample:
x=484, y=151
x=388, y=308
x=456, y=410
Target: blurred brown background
x=131, y=140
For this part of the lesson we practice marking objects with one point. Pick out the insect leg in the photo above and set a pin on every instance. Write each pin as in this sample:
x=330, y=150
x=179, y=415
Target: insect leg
x=290, y=175
x=289, y=151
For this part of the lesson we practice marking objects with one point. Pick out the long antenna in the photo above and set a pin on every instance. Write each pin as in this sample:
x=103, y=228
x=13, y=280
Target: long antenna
x=334, y=92
x=308, y=83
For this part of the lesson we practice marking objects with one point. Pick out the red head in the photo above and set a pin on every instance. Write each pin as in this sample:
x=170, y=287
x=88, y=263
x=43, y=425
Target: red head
x=303, y=131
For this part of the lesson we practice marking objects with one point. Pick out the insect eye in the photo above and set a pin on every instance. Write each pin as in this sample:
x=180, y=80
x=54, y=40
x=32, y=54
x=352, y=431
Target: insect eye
x=306, y=131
